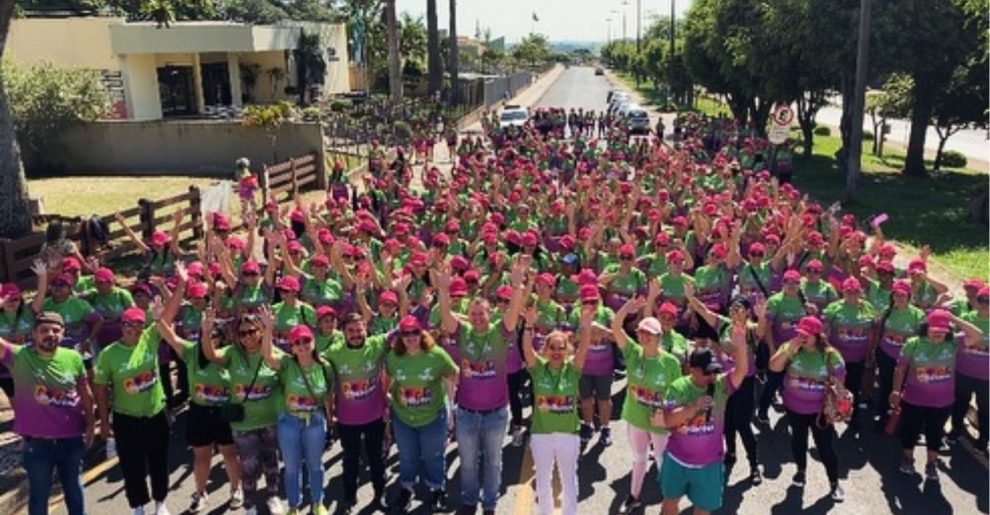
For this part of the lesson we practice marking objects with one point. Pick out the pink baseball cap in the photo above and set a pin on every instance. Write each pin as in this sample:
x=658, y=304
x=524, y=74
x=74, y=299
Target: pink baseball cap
x=650, y=325
x=667, y=308
x=409, y=324
x=851, y=285
x=325, y=311
x=103, y=275
x=939, y=320
x=131, y=315
x=589, y=292
x=300, y=333
x=810, y=326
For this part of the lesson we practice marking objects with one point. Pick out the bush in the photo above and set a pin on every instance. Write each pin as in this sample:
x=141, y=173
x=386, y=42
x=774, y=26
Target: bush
x=822, y=130
x=867, y=136
x=953, y=159
x=337, y=106
x=402, y=130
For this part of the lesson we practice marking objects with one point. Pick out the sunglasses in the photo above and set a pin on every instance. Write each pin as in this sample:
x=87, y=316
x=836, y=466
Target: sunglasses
x=810, y=271
x=755, y=254
x=249, y=274
x=557, y=348
x=247, y=332
x=589, y=303
x=302, y=341
x=791, y=283
x=627, y=258
x=984, y=300
x=410, y=333
x=132, y=325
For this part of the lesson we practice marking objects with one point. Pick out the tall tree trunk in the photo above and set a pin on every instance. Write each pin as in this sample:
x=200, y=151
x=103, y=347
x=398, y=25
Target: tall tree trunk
x=434, y=70
x=15, y=213
x=394, y=68
x=455, y=90
x=759, y=112
x=921, y=113
x=848, y=86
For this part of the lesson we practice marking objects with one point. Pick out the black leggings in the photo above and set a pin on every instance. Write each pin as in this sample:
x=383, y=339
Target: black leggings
x=369, y=438
x=918, y=419
x=966, y=387
x=824, y=440
x=738, y=418
x=774, y=382
x=142, y=444
x=516, y=382
x=854, y=383
x=885, y=382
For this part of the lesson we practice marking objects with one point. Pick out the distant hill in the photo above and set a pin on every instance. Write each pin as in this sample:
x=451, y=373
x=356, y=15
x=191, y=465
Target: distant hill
x=567, y=46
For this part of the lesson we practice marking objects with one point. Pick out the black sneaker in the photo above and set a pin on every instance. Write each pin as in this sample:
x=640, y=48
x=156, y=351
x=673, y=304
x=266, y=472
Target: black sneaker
x=837, y=493
x=630, y=505
x=931, y=472
x=798, y=479
x=755, y=476
x=586, y=432
x=438, y=501
x=606, y=436
x=401, y=504
x=762, y=418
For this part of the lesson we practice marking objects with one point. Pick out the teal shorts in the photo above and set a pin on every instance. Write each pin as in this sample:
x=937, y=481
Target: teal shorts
x=703, y=486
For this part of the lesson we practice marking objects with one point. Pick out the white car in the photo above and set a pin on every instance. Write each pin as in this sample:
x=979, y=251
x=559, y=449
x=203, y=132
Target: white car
x=638, y=120
x=618, y=101
x=513, y=115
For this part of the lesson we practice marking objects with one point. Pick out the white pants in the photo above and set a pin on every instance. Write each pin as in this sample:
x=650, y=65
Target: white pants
x=639, y=445
x=564, y=449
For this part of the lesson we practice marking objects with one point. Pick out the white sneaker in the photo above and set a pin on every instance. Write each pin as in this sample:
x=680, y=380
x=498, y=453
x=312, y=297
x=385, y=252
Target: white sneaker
x=138, y=511
x=160, y=509
x=236, y=499
x=275, y=506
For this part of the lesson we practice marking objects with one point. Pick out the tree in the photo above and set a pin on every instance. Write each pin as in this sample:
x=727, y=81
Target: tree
x=891, y=101
x=15, y=212
x=269, y=117
x=394, y=66
x=962, y=104
x=310, y=65
x=491, y=58
x=434, y=66
x=412, y=40
x=534, y=47
x=455, y=85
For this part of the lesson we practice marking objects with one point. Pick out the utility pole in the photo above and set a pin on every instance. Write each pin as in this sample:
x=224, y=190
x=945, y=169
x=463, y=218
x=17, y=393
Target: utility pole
x=394, y=68
x=625, y=3
x=455, y=90
x=608, y=31
x=859, y=99
x=639, y=23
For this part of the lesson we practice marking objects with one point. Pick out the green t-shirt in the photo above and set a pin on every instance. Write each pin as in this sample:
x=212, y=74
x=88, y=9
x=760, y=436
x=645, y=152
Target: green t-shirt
x=304, y=390
x=821, y=293
x=111, y=305
x=261, y=402
x=208, y=386
x=287, y=317
x=555, y=398
x=358, y=373
x=417, y=388
x=132, y=371
x=323, y=343
x=673, y=288
x=322, y=293
x=247, y=297
x=628, y=284
x=649, y=378
x=676, y=344
x=549, y=315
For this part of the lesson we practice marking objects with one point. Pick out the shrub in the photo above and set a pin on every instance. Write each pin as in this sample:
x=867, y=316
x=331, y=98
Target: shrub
x=402, y=130
x=867, y=136
x=337, y=106
x=822, y=130
x=953, y=159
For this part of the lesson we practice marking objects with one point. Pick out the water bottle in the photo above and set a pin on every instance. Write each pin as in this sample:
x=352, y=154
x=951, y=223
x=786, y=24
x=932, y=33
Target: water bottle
x=111, y=448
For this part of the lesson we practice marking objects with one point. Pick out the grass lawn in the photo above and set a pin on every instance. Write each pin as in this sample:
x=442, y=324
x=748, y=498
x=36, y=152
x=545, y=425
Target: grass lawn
x=87, y=196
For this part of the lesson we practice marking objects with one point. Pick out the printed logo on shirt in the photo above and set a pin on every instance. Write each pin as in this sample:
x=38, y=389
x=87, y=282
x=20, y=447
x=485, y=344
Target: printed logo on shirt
x=897, y=340
x=646, y=397
x=933, y=374
x=57, y=397
x=555, y=403
x=356, y=390
x=210, y=393
x=601, y=346
x=698, y=426
x=479, y=369
x=975, y=351
x=295, y=402
x=852, y=333
x=258, y=392
x=412, y=396
x=808, y=384
x=140, y=382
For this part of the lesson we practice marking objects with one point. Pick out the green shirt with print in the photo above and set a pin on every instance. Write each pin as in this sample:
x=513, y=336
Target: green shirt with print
x=261, y=402
x=322, y=293
x=132, y=372
x=417, y=388
x=208, y=385
x=304, y=389
x=111, y=305
x=555, y=397
x=649, y=378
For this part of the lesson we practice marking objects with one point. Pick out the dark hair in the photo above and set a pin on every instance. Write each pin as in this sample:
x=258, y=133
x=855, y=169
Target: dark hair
x=55, y=231
x=351, y=318
x=426, y=342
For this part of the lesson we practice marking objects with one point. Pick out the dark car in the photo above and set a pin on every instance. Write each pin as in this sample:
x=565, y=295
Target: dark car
x=599, y=71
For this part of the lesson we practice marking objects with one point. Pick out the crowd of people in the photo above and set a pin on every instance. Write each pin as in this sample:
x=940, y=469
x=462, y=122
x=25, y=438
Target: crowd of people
x=430, y=307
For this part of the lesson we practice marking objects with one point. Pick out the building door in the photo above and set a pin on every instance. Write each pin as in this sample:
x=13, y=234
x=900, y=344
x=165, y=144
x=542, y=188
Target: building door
x=216, y=84
x=175, y=87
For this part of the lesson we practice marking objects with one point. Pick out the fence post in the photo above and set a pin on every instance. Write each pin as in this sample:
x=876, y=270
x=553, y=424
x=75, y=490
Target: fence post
x=321, y=172
x=264, y=184
x=147, y=217
x=6, y=262
x=295, y=177
x=86, y=237
x=196, y=211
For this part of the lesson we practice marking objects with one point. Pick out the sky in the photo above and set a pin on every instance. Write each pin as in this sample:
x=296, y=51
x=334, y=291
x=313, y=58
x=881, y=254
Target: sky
x=560, y=20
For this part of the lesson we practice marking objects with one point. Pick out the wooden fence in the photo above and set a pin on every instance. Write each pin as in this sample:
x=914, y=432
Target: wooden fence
x=147, y=216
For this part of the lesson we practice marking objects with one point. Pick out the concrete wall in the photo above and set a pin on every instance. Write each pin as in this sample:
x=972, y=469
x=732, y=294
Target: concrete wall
x=161, y=148
x=495, y=88
x=141, y=86
x=79, y=43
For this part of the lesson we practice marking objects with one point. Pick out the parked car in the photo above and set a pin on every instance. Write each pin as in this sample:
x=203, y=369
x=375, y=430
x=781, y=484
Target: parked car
x=599, y=70
x=638, y=120
x=513, y=115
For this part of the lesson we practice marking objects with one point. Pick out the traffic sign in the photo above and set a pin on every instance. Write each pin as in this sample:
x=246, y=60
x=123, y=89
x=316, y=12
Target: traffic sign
x=783, y=115
x=778, y=134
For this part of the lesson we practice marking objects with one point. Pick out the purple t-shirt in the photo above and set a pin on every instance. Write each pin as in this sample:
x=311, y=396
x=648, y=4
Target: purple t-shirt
x=698, y=442
x=359, y=397
x=804, y=380
x=975, y=362
x=46, y=400
x=483, y=383
x=931, y=378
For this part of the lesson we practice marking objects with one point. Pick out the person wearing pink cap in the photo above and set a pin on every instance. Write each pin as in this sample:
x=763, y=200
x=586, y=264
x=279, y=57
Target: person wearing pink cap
x=162, y=249
x=321, y=286
x=423, y=384
x=757, y=275
x=484, y=346
x=16, y=322
x=623, y=280
x=819, y=292
x=130, y=368
x=926, y=291
x=783, y=310
x=649, y=371
x=81, y=323
x=249, y=289
x=924, y=385
x=556, y=371
x=808, y=360
x=973, y=374
x=208, y=387
x=897, y=323
x=595, y=386
x=291, y=312
x=672, y=284
x=110, y=301
x=878, y=289
x=305, y=409
x=972, y=288
x=850, y=323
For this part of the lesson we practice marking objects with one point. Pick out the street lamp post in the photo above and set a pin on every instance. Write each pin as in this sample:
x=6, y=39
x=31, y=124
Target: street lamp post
x=625, y=3
x=639, y=23
x=608, y=31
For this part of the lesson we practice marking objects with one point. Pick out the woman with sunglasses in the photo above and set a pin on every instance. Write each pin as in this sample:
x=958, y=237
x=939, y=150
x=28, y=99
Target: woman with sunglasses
x=254, y=386
x=849, y=324
x=649, y=370
x=208, y=385
x=137, y=400
x=304, y=409
x=739, y=409
x=923, y=385
x=973, y=372
x=291, y=312
x=672, y=285
x=554, y=428
x=805, y=359
x=16, y=323
x=897, y=323
x=423, y=385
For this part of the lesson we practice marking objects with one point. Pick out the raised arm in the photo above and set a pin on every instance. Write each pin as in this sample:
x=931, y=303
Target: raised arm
x=618, y=332
x=176, y=229
x=972, y=335
x=167, y=333
x=584, y=336
x=519, y=292
x=710, y=317
x=529, y=354
x=440, y=279
x=739, y=353
x=138, y=242
x=41, y=271
x=267, y=337
x=206, y=336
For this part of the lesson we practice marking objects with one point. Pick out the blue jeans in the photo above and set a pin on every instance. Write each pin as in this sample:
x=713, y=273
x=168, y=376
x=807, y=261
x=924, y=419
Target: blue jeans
x=421, y=450
x=41, y=457
x=479, y=438
x=297, y=441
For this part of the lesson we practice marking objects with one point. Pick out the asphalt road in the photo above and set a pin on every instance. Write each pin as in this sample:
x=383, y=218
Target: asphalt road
x=868, y=465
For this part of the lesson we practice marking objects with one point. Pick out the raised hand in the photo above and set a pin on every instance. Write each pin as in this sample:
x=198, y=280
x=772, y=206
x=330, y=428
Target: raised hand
x=633, y=305
x=208, y=321
x=39, y=268
x=654, y=289
x=530, y=316
x=181, y=273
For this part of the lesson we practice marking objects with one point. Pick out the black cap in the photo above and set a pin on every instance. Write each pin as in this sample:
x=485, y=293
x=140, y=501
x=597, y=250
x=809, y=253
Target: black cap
x=705, y=360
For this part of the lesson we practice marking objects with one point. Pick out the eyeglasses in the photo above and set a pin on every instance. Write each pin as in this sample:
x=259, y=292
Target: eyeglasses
x=247, y=332
x=302, y=341
x=249, y=274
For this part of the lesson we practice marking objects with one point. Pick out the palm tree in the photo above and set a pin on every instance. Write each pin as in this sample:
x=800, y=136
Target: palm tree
x=434, y=68
x=394, y=66
x=455, y=90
